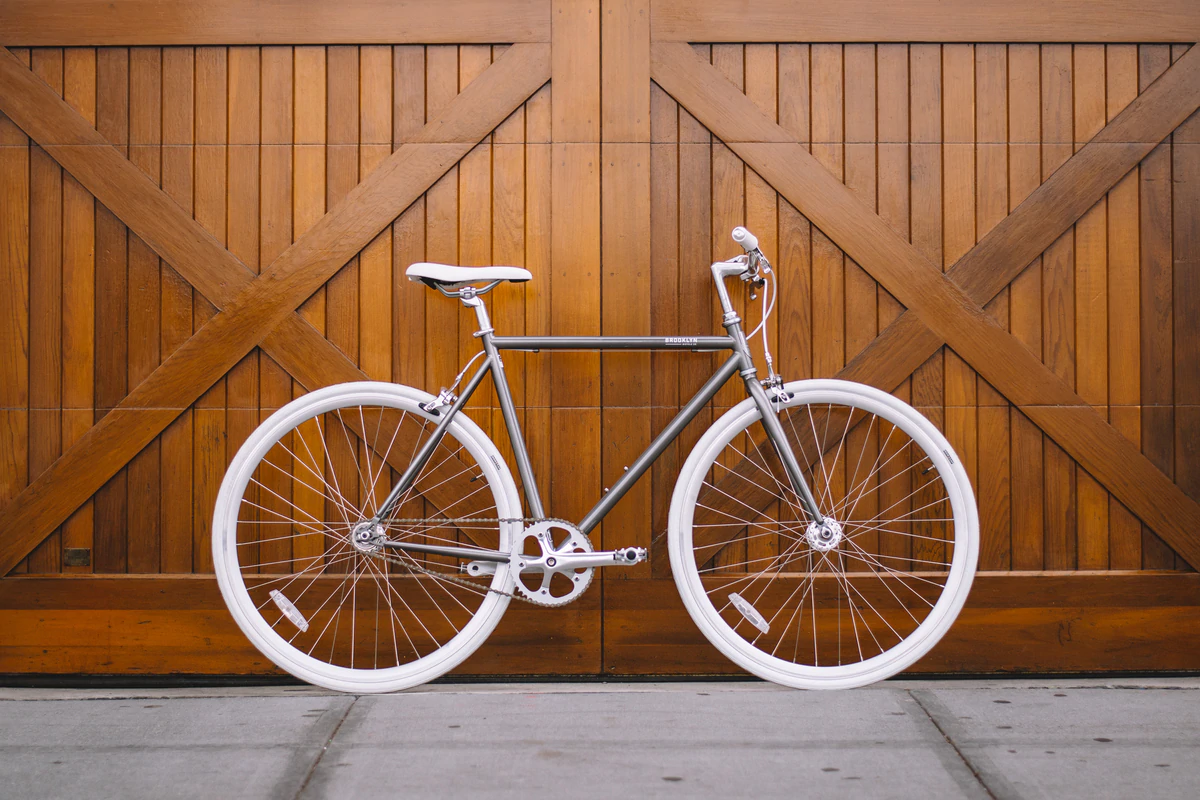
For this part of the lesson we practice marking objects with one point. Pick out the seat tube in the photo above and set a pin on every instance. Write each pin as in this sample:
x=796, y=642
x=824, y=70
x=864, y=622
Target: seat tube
x=504, y=396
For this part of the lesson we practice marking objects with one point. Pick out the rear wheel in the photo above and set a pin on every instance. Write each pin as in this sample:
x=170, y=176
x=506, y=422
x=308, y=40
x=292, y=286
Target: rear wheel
x=842, y=603
x=342, y=612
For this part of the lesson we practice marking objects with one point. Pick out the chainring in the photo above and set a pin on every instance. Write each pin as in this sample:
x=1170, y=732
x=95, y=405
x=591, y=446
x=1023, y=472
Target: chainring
x=545, y=590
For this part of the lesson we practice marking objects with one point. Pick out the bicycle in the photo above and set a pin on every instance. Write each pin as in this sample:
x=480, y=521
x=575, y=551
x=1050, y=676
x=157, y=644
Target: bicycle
x=368, y=536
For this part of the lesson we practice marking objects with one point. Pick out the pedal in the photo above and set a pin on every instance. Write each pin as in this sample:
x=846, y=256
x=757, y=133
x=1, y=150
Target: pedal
x=629, y=555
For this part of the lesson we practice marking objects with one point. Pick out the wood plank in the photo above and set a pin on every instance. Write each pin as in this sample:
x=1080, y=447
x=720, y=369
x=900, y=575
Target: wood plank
x=277, y=94
x=1115, y=622
x=144, y=288
x=408, y=232
x=924, y=21
x=993, y=484
x=14, y=305
x=927, y=187
x=79, y=296
x=179, y=624
x=1058, y=309
x=375, y=262
x=1157, y=306
x=960, y=392
x=895, y=199
x=828, y=281
x=575, y=199
x=1124, y=314
x=112, y=332
x=45, y=310
x=178, y=132
x=955, y=316
x=306, y=265
x=1091, y=306
x=229, y=22
x=1025, y=302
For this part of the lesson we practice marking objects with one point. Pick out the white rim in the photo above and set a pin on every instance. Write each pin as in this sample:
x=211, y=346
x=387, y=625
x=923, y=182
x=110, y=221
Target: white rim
x=895, y=659
x=233, y=587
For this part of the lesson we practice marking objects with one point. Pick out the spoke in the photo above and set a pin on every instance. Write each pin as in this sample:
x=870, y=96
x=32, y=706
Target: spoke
x=376, y=574
x=753, y=510
x=860, y=489
x=292, y=578
x=885, y=622
x=332, y=468
x=339, y=501
x=911, y=467
x=820, y=445
x=739, y=475
x=384, y=459
x=340, y=587
x=352, y=452
x=867, y=558
x=866, y=438
x=284, y=499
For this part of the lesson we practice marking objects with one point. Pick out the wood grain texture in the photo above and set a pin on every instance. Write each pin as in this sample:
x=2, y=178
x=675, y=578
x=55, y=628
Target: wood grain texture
x=924, y=21
x=260, y=307
x=942, y=303
x=230, y=22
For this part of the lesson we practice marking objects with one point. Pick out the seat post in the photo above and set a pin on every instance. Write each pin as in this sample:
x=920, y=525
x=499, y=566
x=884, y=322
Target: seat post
x=471, y=299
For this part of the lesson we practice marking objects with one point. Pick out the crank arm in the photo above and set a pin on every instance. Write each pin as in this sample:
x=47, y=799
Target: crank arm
x=566, y=561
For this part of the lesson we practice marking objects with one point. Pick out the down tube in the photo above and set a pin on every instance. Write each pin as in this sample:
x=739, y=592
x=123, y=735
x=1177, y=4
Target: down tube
x=673, y=429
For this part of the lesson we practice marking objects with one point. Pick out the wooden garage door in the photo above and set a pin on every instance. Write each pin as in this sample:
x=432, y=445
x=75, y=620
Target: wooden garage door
x=1002, y=231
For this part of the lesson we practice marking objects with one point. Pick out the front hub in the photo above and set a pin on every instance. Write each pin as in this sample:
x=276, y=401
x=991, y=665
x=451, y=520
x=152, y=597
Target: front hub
x=824, y=536
x=368, y=537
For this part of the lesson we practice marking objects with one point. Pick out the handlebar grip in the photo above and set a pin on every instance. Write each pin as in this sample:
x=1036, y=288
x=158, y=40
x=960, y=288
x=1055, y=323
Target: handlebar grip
x=745, y=238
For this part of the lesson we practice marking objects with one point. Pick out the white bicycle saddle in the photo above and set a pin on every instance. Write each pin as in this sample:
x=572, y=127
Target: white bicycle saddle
x=430, y=273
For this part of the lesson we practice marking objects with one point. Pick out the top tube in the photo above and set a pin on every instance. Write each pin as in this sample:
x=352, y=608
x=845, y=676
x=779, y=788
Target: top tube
x=690, y=343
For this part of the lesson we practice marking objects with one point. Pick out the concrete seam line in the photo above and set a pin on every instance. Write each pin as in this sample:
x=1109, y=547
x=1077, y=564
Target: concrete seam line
x=962, y=756
x=312, y=770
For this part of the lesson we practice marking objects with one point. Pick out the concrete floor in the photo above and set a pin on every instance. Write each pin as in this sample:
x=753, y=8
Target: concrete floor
x=1092, y=739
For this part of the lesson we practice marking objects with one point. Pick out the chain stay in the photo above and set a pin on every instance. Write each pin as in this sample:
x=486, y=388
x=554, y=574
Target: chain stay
x=414, y=566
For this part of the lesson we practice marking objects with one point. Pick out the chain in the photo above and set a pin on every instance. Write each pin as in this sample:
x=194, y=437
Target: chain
x=414, y=566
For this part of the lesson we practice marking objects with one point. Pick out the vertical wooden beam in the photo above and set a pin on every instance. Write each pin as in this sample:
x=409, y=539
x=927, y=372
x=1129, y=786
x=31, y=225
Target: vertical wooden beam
x=626, y=268
x=112, y=338
x=1091, y=307
x=1025, y=303
x=1058, y=305
x=178, y=157
x=274, y=235
x=575, y=258
x=994, y=429
x=1124, y=308
x=145, y=308
x=1185, y=206
x=45, y=310
x=14, y=305
x=79, y=297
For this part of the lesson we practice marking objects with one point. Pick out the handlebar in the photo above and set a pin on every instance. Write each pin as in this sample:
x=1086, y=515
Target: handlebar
x=745, y=238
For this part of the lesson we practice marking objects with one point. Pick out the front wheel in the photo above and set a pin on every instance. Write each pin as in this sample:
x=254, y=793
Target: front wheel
x=837, y=604
x=321, y=603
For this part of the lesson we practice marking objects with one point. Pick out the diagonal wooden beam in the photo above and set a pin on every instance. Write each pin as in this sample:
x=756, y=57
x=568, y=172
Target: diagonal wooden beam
x=260, y=307
x=942, y=305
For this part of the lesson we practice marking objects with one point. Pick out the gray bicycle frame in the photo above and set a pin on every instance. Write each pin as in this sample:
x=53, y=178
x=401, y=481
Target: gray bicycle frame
x=739, y=361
